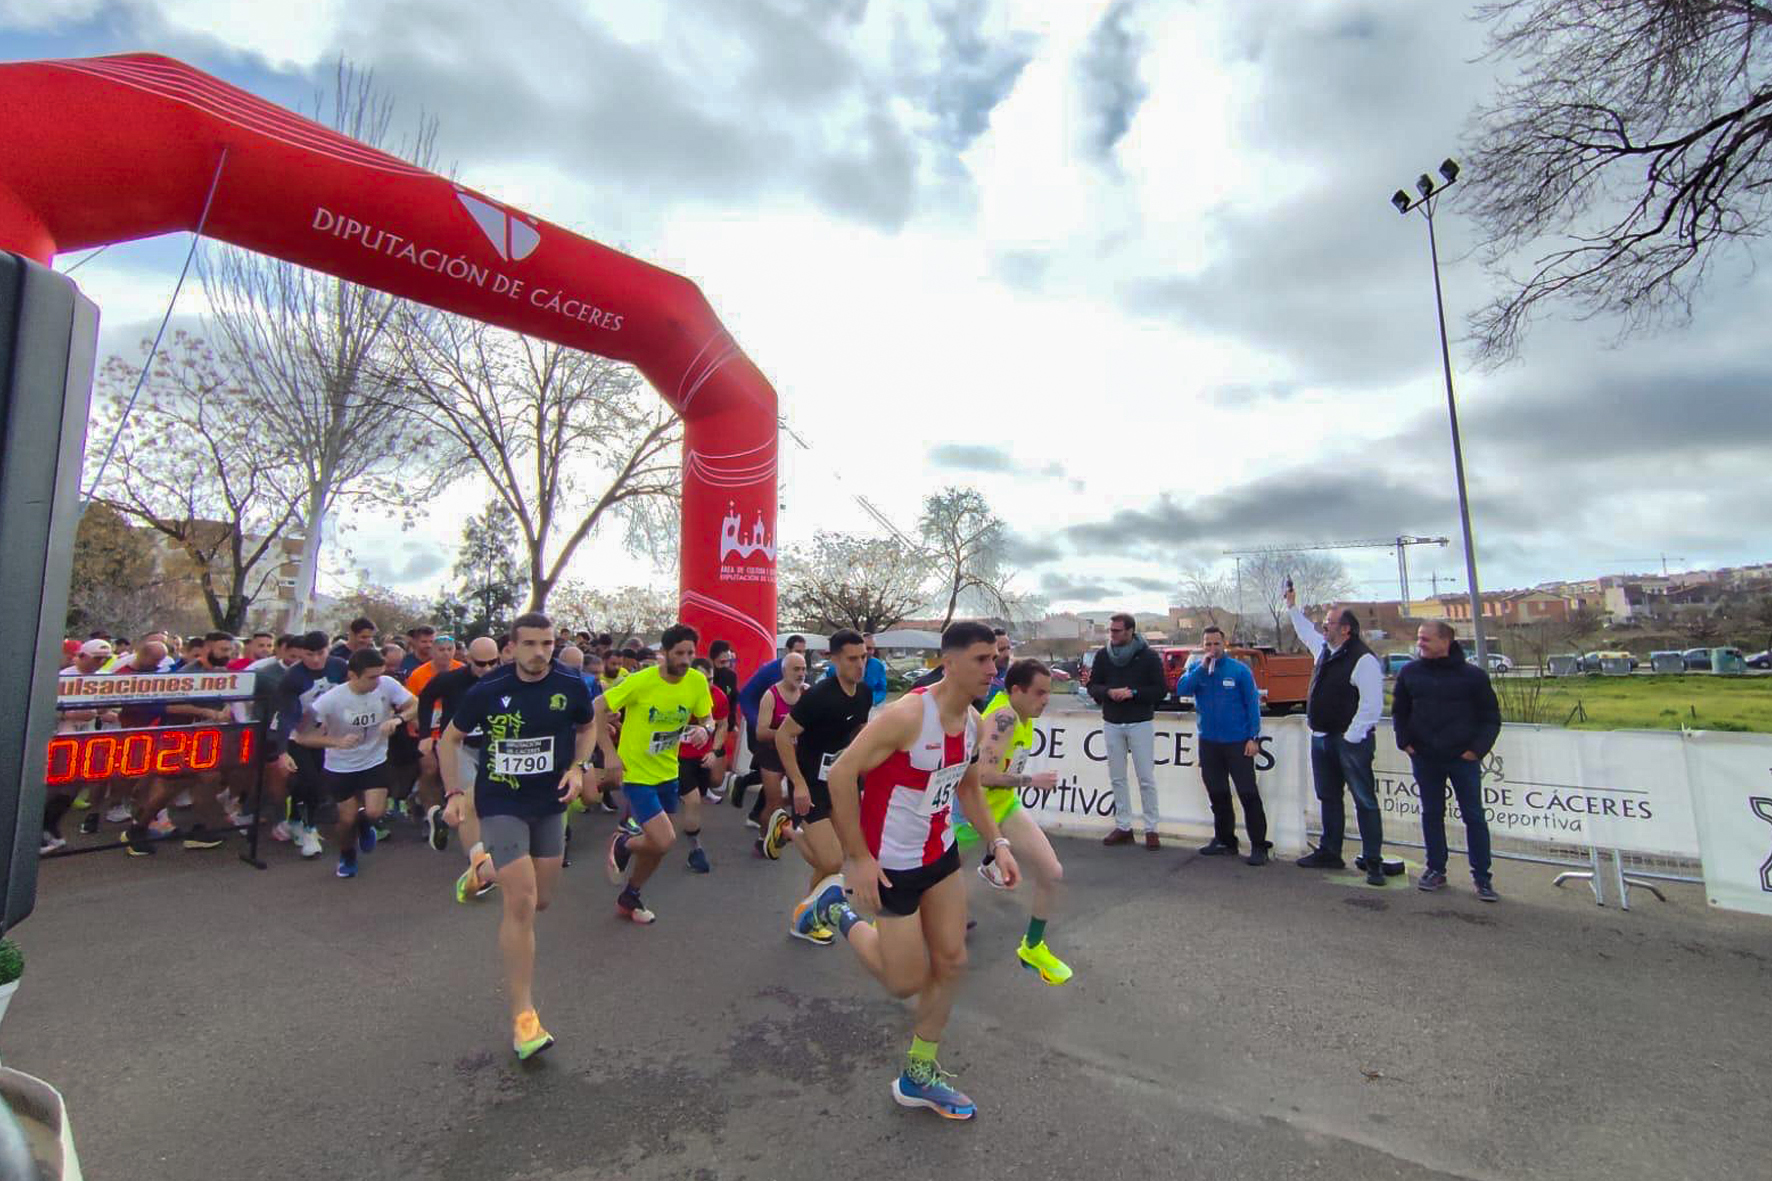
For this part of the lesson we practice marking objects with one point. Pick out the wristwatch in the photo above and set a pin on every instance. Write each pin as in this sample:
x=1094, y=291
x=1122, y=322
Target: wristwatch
x=584, y=764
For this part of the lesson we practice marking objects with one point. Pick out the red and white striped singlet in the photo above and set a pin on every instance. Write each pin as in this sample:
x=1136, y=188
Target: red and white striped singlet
x=906, y=800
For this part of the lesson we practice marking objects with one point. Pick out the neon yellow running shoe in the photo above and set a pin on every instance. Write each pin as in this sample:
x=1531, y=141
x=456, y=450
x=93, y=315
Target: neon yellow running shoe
x=1040, y=959
x=469, y=885
x=530, y=1038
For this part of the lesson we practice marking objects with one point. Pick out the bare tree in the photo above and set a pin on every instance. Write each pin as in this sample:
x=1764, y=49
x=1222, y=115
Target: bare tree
x=622, y=612
x=1630, y=142
x=965, y=543
x=1318, y=578
x=192, y=464
x=311, y=346
x=1214, y=590
x=566, y=439
x=839, y=580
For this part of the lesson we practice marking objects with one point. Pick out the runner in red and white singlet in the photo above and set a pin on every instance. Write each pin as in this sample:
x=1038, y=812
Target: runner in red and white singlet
x=916, y=756
x=906, y=809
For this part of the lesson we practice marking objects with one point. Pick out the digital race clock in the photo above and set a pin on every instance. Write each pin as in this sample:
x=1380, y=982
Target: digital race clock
x=98, y=755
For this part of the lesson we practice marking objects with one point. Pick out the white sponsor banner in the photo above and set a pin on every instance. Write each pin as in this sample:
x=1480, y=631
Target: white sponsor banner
x=1731, y=778
x=1074, y=746
x=113, y=688
x=1625, y=790
x=1612, y=789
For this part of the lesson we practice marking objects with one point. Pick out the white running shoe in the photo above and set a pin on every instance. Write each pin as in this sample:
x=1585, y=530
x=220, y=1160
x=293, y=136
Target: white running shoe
x=51, y=843
x=118, y=814
x=282, y=831
x=310, y=842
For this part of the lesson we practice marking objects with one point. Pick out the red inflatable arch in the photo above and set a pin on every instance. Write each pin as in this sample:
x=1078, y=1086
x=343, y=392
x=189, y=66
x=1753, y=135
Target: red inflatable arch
x=108, y=149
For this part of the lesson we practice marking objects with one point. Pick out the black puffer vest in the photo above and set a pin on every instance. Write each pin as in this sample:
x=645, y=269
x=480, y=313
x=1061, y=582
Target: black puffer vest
x=1333, y=700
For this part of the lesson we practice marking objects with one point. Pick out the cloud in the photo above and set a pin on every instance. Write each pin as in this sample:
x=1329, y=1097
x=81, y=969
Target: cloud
x=1060, y=587
x=1020, y=551
x=981, y=457
x=1107, y=74
x=975, y=74
x=1153, y=585
x=404, y=562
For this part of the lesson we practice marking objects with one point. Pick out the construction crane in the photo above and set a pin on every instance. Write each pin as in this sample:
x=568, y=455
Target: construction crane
x=1400, y=543
x=1664, y=559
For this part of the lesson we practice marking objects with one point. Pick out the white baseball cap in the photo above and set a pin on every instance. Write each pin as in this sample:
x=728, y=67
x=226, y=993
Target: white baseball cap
x=96, y=648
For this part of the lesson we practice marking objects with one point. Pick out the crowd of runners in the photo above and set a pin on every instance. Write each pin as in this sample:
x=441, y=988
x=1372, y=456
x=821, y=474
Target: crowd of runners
x=496, y=746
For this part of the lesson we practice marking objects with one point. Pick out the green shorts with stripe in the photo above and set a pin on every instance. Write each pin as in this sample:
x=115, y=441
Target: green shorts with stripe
x=1003, y=802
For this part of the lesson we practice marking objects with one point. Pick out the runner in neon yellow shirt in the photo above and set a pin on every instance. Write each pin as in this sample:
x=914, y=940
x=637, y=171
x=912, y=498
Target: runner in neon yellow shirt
x=1008, y=736
x=661, y=705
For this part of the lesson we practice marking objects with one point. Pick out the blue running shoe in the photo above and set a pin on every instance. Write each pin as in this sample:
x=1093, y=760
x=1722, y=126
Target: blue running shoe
x=924, y=1084
x=365, y=837
x=698, y=861
x=347, y=864
x=630, y=827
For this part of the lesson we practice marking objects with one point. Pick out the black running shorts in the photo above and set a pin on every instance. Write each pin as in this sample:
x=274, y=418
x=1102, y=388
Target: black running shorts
x=908, y=885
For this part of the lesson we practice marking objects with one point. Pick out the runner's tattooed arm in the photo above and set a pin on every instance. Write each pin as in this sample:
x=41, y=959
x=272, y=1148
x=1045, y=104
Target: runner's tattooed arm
x=970, y=794
x=992, y=746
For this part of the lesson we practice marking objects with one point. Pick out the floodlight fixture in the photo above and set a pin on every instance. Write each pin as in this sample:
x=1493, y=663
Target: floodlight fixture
x=1400, y=199
x=1424, y=184
x=1449, y=169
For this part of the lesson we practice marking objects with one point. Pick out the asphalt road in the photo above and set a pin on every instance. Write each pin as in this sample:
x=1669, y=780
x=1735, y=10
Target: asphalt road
x=209, y=1020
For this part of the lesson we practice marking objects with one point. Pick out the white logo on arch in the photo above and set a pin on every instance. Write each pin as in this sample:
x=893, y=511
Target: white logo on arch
x=512, y=234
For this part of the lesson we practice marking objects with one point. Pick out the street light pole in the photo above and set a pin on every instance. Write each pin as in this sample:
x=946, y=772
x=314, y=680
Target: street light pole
x=1400, y=199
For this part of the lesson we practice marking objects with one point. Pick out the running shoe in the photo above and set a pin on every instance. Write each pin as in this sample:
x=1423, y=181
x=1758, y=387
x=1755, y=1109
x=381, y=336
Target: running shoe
x=81, y=802
x=991, y=877
x=1040, y=959
x=487, y=884
x=1430, y=881
x=89, y=824
x=715, y=795
x=817, y=912
x=280, y=831
x=198, y=837
x=629, y=906
x=776, y=833
x=162, y=825
x=51, y=843
x=118, y=814
x=347, y=864
x=382, y=829
x=607, y=804
x=136, y=837
x=1487, y=893
x=530, y=1038
x=310, y=841
x=366, y=837
x=630, y=826
x=698, y=861
x=615, y=863
x=436, y=832
x=750, y=822
x=925, y=1084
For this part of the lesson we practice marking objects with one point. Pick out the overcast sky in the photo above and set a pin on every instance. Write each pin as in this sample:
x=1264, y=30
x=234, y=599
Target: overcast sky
x=1127, y=267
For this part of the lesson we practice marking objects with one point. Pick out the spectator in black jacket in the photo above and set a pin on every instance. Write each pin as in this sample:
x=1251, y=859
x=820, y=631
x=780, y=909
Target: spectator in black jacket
x=1447, y=719
x=1127, y=680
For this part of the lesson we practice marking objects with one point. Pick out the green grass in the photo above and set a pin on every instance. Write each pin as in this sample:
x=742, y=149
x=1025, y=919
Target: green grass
x=1695, y=701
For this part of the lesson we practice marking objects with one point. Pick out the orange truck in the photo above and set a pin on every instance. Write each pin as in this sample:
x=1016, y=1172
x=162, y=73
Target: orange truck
x=1283, y=679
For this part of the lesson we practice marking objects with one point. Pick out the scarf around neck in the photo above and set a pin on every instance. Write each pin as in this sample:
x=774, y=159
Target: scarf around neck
x=1122, y=654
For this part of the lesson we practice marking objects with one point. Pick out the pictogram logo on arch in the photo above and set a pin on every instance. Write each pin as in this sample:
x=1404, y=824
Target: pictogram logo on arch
x=512, y=234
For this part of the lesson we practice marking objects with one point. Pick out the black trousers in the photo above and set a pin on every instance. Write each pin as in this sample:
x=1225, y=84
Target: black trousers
x=1221, y=764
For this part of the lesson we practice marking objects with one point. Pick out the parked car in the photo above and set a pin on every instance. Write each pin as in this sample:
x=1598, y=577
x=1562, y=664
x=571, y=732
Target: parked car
x=1059, y=675
x=1499, y=663
x=1591, y=662
x=1760, y=659
x=1697, y=659
x=1394, y=662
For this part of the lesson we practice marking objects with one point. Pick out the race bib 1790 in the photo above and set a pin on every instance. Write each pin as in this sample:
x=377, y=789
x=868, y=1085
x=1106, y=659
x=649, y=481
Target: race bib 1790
x=523, y=756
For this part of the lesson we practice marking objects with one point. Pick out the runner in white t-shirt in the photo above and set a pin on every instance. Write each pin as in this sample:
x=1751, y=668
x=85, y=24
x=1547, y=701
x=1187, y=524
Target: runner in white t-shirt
x=354, y=721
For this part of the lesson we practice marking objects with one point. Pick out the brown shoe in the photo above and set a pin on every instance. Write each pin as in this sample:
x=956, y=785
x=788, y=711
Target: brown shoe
x=1120, y=836
x=1151, y=842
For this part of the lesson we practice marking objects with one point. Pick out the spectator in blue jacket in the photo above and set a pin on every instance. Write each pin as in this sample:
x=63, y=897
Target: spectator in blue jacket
x=1447, y=719
x=1227, y=707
